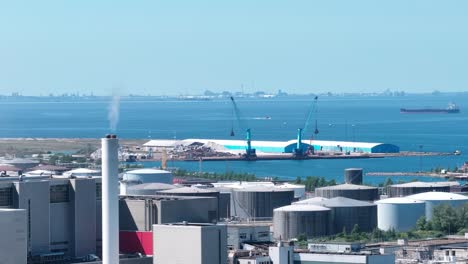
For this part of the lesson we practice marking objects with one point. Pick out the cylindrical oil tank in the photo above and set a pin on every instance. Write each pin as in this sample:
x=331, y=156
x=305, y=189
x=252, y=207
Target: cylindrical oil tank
x=399, y=214
x=433, y=199
x=410, y=188
x=346, y=213
x=259, y=201
x=352, y=191
x=353, y=175
x=147, y=176
x=293, y=220
x=149, y=188
x=299, y=190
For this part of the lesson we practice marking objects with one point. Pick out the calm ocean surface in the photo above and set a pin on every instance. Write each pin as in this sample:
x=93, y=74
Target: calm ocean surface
x=371, y=119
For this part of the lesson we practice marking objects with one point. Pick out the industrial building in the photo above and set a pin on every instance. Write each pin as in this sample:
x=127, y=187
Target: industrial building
x=281, y=146
x=190, y=243
x=346, y=213
x=359, y=147
x=22, y=164
x=301, y=219
x=139, y=213
x=58, y=215
x=399, y=213
x=410, y=188
x=245, y=232
x=432, y=199
x=352, y=191
x=348, y=258
x=284, y=253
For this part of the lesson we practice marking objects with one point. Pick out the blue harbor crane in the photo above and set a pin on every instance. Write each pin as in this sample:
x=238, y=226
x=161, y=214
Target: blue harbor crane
x=299, y=152
x=250, y=152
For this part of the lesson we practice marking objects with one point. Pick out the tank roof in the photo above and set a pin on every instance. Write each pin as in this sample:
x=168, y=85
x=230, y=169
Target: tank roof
x=301, y=208
x=437, y=196
x=262, y=188
x=399, y=200
x=147, y=171
x=344, y=202
x=313, y=200
x=347, y=186
x=426, y=184
x=83, y=170
x=290, y=185
x=189, y=190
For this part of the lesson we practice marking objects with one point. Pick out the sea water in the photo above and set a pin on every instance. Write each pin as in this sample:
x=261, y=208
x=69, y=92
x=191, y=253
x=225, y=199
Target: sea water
x=348, y=118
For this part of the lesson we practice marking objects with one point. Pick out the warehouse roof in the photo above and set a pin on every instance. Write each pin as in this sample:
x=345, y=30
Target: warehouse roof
x=343, y=143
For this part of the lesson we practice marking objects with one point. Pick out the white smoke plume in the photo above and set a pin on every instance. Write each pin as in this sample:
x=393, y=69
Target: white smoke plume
x=114, y=110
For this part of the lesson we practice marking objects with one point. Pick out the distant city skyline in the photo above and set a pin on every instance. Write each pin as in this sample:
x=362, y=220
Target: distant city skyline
x=184, y=47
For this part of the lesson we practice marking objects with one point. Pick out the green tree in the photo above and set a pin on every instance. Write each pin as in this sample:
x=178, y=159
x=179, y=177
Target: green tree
x=298, y=180
x=421, y=223
x=445, y=219
x=388, y=182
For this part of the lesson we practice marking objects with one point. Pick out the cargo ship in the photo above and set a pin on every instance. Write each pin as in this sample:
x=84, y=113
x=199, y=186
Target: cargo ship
x=451, y=109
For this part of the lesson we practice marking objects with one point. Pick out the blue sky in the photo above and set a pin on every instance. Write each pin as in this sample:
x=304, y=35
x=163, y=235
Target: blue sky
x=183, y=47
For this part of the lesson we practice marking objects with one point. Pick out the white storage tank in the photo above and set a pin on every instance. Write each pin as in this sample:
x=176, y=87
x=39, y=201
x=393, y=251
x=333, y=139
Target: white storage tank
x=148, y=176
x=293, y=220
x=433, y=199
x=400, y=214
x=140, y=176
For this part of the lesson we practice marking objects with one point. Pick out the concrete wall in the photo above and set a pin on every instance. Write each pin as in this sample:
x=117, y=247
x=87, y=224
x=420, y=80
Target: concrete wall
x=83, y=214
x=60, y=231
x=137, y=215
x=13, y=238
x=195, y=244
x=33, y=196
x=196, y=210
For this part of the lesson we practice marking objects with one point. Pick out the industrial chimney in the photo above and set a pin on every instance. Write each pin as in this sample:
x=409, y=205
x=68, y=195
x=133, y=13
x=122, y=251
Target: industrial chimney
x=110, y=200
